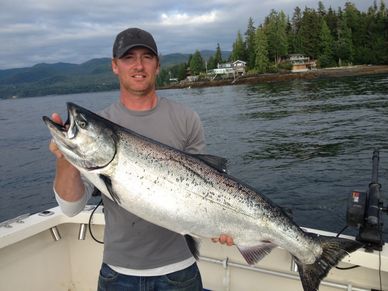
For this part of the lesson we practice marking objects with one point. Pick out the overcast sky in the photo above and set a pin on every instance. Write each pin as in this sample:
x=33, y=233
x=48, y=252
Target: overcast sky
x=74, y=31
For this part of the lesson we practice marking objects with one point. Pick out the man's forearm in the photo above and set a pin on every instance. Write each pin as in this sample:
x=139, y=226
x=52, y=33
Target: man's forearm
x=68, y=183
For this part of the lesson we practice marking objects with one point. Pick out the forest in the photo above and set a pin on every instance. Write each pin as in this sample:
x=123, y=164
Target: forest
x=332, y=38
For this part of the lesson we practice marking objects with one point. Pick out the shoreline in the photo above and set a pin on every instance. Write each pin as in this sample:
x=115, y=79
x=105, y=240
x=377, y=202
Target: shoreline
x=335, y=72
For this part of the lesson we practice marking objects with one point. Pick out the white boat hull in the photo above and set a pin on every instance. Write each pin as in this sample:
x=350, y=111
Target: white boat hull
x=31, y=259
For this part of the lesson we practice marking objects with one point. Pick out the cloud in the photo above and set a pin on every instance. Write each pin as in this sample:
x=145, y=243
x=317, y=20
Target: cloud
x=182, y=19
x=35, y=31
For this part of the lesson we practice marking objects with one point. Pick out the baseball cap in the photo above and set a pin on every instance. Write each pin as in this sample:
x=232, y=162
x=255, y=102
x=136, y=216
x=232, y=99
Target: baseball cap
x=133, y=37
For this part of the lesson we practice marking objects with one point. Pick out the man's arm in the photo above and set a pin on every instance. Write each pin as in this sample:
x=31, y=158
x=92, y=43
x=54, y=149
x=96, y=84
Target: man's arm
x=68, y=185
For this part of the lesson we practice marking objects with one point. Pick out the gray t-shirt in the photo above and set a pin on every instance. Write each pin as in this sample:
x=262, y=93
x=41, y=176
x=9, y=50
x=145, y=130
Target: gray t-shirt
x=131, y=242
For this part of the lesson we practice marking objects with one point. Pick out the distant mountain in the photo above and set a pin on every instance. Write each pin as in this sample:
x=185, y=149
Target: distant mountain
x=64, y=78
x=58, y=78
x=178, y=58
x=42, y=71
x=173, y=59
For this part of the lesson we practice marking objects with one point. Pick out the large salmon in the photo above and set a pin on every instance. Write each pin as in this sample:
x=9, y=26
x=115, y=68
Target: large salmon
x=189, y=194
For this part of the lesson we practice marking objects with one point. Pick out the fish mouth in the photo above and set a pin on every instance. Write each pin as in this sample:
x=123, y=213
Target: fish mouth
x=61, y=132
x=75, y=139
x=59, y=127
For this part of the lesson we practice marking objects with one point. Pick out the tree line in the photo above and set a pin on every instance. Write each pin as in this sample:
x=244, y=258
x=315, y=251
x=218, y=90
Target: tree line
x=345, y=36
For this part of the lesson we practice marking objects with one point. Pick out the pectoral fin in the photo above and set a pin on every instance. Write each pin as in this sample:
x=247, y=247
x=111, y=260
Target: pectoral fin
x=108, y=184
x=253, y=254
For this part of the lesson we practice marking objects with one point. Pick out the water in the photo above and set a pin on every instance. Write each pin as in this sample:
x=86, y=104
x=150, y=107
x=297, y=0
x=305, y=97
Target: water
x=304, y=144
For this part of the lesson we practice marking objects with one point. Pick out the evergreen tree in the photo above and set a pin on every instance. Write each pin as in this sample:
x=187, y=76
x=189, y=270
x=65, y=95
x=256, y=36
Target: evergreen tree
x=378, y=33
x=344, y=45
x=309, y=33
x=326, y=57
x=294, y=38
x=218, y=56
x=356, y=24
x=239, y=51
x=275, y=28
x=211, y=64
x=197, y=64
x=331, y=19
x=321, y=9
x=250, y=35
x=261, y=52
x=162, y=78
x=179, y=71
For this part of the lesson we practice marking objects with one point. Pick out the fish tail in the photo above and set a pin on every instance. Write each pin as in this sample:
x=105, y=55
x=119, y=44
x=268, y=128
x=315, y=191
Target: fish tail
x=334, y=249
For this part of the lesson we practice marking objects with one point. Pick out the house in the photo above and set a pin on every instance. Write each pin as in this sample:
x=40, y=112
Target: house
x=301, y=63
x=230, y=69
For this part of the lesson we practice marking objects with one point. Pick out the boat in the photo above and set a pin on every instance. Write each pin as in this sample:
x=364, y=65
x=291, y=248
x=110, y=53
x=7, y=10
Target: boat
x=53, y=252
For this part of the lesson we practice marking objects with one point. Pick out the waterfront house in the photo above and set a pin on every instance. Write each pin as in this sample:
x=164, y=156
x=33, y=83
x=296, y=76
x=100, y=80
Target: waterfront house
x=236, y=68
x=301, y=63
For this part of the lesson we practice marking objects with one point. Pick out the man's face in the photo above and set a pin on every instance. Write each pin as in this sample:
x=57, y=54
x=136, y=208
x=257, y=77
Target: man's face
x=137, y=71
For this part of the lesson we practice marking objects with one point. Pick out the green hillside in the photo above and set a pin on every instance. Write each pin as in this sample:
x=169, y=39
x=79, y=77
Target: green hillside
x=64, y=78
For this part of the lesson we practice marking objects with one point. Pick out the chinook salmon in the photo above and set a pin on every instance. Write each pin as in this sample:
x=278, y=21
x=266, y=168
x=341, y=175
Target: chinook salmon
x=189, y=194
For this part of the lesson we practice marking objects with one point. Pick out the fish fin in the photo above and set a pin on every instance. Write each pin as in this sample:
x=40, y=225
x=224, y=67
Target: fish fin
x=334, y=249
x=193, y=245
x=255, y=253
x=216, y=162
x=108, y=183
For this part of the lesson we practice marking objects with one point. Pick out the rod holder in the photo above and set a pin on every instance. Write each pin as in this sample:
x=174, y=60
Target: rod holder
x=82, y=231
x=55, y=233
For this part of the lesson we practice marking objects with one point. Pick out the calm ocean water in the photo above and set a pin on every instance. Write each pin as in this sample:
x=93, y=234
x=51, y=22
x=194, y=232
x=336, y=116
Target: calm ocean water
x=304, y=144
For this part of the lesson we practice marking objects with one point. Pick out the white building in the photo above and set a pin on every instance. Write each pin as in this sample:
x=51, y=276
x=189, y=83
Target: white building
x=230, y=69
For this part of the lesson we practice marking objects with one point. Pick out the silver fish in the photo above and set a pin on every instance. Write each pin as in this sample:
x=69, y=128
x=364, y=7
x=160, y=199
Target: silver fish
x=189, y=194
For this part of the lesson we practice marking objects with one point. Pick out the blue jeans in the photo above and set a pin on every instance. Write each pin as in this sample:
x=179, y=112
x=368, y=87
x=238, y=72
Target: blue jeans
x=188, y=279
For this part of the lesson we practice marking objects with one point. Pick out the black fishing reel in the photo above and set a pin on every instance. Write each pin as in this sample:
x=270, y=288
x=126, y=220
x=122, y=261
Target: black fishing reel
x=365, y=211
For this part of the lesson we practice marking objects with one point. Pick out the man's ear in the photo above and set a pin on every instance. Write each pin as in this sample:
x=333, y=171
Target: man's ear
x=158, y=69
x=114, y=66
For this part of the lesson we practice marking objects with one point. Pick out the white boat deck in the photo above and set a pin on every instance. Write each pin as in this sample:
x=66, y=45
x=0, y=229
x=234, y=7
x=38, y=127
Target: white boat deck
x=31, y=259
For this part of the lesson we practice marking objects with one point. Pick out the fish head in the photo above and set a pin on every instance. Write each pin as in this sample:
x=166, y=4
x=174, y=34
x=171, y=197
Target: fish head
x=86, y=139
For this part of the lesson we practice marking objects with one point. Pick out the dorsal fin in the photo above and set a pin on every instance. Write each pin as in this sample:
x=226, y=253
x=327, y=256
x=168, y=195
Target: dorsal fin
x=216, y=162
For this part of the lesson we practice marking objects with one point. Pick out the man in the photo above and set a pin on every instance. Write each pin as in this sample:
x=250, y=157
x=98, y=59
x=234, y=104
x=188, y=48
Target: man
x=138, y=255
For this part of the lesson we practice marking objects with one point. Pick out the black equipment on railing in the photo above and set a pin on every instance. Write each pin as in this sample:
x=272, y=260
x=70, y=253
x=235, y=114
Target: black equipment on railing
x=365, y=210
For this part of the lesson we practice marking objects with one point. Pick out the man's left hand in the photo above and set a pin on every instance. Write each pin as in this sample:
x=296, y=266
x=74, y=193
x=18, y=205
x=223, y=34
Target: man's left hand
x=223, y=239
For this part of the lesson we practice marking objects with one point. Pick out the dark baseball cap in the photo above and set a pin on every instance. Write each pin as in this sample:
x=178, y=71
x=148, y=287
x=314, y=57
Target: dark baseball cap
x=133, y=37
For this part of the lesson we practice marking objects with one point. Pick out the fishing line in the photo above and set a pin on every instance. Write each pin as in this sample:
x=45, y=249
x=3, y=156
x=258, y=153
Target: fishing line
x=345, y=268
x=341, y=231
x=90, y=223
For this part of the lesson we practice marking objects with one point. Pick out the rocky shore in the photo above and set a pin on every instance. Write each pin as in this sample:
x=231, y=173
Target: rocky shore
x=276, y=77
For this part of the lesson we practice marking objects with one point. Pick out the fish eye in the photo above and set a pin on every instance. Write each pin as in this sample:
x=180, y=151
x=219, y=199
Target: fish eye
x=81, y=122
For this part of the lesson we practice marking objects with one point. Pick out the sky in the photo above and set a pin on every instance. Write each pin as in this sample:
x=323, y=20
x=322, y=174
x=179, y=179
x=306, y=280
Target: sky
x=75, y=31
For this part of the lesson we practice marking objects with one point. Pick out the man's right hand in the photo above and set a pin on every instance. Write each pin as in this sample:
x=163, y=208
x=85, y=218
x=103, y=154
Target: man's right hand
x=53, y=146
x=67, y=182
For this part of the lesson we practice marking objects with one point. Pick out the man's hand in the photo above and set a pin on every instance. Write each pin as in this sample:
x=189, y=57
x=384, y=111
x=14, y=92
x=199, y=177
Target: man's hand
x=67, y=183
x=223, y=239
x=52, y=146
